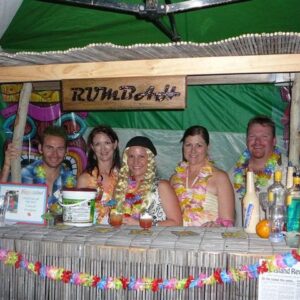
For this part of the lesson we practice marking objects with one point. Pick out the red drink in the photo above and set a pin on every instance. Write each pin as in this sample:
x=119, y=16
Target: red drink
x=116, y=219
x=146, y=221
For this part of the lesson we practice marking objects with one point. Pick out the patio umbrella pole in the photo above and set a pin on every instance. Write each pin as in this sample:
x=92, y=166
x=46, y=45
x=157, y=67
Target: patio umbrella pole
x=19, y=128
x=294, y=149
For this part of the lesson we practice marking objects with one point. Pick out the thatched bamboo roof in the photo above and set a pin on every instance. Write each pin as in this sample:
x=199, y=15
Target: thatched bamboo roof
x=249, y=44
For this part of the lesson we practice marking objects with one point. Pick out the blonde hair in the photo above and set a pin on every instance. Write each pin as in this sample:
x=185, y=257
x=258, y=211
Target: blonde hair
x=146, y=185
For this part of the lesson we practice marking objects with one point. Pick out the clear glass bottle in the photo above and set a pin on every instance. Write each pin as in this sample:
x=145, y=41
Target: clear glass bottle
x=276, y=198
x=250, y=205
x=276, y=221
x=277, y=191
x=289, y=176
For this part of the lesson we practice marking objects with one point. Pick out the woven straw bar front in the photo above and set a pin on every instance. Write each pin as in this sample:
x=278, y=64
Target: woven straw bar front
x=164, y=253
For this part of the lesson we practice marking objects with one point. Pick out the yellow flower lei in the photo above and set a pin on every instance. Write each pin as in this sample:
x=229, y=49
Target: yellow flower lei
x=199, y=189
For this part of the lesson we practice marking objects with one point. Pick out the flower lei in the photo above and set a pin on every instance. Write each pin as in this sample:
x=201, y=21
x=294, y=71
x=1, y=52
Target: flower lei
x=68, y=181
x=133, y=201
x=199, y=188
x=231, y=275
x=97, y=181
x=40, y=176
x=261, y=178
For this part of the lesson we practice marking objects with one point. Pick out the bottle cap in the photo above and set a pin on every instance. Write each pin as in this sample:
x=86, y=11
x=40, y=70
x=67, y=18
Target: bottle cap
x=296, y=180
x=278, y=175
x=271, y=197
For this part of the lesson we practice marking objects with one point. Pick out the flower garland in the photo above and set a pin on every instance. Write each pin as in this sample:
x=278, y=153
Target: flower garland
x=133, y=201
x=261, y=178
x=186, y=200
x=199, y=186
x=40, y=175
x=103, y=201
x=68, y=181
x=97, y=181
x=219, y=276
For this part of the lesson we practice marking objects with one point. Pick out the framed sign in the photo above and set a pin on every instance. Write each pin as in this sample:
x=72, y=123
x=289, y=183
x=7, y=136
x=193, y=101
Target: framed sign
x=26, y=203
x=165, y=92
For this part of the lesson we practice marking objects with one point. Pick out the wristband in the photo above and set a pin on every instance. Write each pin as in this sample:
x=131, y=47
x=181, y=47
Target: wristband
x=225, y=222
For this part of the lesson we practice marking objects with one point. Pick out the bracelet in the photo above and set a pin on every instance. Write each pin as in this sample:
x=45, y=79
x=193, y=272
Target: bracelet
x=225, y=222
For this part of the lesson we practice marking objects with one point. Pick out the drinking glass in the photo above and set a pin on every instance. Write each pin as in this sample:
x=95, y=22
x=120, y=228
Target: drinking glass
x=3, y=208
x=115, y=219
x=265, y=204
x=293, y=239
x=263, y=200
x=146, y=221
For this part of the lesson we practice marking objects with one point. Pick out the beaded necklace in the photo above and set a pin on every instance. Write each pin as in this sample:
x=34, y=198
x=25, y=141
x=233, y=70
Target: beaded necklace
x=261, y=178
x=199, y=186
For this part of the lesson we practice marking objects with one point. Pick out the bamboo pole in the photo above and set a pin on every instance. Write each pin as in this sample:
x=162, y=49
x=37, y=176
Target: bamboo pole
x=19, y=128
x=294, y=149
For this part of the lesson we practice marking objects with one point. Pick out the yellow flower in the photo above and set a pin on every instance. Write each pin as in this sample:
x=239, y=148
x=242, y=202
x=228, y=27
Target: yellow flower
x=199, y=197
x=180, y=190
x=180, y=169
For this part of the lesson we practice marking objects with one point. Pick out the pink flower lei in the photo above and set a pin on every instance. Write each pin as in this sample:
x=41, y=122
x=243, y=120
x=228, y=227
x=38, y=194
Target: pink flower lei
x=199, y=187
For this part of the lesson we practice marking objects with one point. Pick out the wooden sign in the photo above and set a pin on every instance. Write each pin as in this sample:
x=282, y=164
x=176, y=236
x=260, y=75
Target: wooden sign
x=124, y=93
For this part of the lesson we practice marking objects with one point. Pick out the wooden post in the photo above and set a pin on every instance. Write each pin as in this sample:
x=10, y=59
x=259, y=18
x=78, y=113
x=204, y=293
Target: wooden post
x=19, y=128
x=294, y=149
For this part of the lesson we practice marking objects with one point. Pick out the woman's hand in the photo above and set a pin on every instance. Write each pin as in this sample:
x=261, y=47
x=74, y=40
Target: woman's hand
x=130, y=221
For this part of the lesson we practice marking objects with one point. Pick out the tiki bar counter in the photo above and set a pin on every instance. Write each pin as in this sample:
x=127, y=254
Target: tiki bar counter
x=101, y=262
x=66, y=262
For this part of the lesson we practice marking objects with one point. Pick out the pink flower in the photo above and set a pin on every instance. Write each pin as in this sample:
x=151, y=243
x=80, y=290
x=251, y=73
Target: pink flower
x=172, y=283
x=279, y=261
x=3, y=254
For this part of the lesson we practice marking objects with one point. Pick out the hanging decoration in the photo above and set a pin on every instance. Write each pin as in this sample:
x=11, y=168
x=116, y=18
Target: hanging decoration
x=219, y=276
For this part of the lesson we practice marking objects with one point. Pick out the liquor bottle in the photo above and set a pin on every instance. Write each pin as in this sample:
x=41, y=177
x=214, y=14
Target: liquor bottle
x=289, y=189
x=289, y=176
x=276, y=198
x=250, y=205
x=277, y=191
x=293, y=205
x=289, y=185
